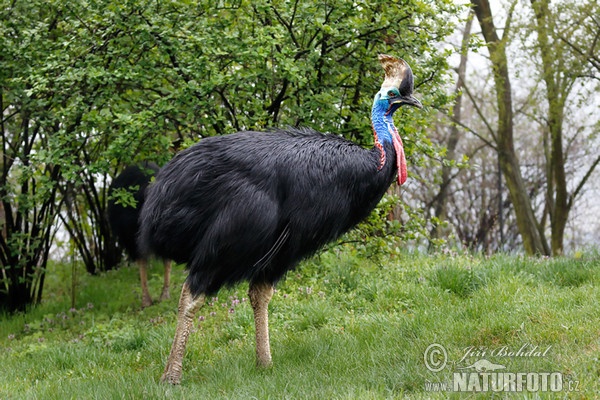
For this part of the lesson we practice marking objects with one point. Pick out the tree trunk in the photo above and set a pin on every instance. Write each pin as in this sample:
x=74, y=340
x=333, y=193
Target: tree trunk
x=558, y=195
x=533, y=242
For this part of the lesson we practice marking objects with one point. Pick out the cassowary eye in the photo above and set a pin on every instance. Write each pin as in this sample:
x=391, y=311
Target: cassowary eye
x=391, y=93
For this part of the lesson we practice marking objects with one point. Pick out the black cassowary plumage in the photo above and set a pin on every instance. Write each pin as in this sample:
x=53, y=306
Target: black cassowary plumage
x=123, y=219
x=251, y=205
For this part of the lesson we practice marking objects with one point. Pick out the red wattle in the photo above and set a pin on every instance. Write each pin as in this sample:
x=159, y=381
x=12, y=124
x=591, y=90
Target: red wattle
x=400, y=158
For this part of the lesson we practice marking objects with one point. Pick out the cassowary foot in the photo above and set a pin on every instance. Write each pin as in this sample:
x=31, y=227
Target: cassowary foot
x=146, y=301
x=264, y=363
x=172, y=375
x=188, y=305
x=167, y=282
x=165, y=295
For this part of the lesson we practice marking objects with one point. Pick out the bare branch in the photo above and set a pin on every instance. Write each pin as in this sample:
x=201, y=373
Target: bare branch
x=583, y=181
x=480, y=113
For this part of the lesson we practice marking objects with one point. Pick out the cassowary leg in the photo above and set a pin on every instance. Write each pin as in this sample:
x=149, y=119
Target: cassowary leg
x=260, y=294
x=188, y=305
x=166, y=294
x=146, y=299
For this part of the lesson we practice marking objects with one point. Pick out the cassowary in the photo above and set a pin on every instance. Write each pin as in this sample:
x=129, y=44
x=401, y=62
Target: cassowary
x=251, y=205
x=124, y=223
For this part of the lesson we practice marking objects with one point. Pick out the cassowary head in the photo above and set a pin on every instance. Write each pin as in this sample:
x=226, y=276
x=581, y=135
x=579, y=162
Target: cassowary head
x=397, y=88
x=395, y=91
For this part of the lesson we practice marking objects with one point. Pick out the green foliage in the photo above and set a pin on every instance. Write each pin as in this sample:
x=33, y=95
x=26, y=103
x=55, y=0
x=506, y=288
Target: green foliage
x=124, y=196
x=124, y=79
x=377, y=235
x=90, y=86
x=387, y=230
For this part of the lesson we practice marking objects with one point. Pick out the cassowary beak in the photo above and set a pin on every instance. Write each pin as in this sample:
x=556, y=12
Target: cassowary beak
x=409, y=100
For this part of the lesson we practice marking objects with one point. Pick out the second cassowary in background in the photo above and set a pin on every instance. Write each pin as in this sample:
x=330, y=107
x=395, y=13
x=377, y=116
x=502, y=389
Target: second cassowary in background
x=123, y=220
x=251, y=205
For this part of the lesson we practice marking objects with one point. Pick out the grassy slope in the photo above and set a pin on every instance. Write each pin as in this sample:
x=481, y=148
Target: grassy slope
x=341, y=328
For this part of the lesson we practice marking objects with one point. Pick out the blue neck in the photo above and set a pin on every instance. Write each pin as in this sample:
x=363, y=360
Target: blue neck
x=382, y=121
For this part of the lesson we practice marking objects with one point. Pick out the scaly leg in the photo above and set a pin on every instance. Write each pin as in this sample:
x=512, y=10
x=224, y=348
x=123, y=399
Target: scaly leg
x=260, y=294
x=166, y=294
x=188, y=305
x=146, y=299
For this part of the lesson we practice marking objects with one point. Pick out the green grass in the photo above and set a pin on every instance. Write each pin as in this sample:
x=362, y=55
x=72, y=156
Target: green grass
x=341, y=328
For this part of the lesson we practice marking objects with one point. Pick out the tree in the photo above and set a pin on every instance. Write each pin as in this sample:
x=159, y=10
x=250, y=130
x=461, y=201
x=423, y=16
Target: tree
x=560, y=70
x=579, y=29
x=541, y=122
x=469, y=204
x=440, y=201
x=28, y=190
x=109, y=83
x=504, y=136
